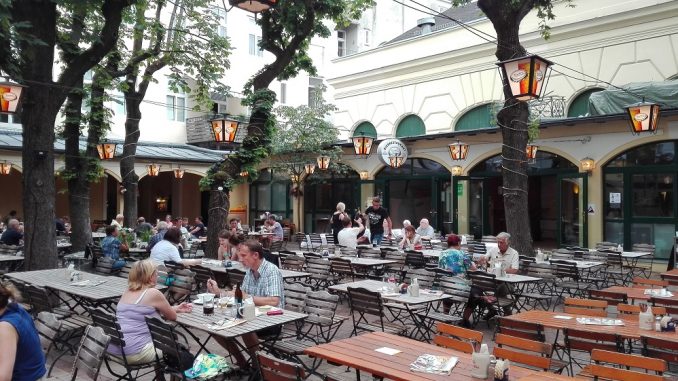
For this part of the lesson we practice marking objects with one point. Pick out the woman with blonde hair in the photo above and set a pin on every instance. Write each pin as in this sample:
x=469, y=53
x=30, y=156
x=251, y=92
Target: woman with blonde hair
x=140, y=300
x=22, y=358
x=337, y=220
x=411, y=240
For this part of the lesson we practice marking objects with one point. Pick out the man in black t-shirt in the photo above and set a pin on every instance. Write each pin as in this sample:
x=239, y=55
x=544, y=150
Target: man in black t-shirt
x=12, y=236
x=199, y=228
x=376, y=216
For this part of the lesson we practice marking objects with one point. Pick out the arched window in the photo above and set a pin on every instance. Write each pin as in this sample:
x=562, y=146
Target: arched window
x=365, y=128
x=411, y=125
x=476, y=118
x=580, y=105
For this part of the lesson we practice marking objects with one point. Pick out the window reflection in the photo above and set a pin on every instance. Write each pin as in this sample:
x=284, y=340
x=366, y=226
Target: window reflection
x=653, y=195
x=656, y=153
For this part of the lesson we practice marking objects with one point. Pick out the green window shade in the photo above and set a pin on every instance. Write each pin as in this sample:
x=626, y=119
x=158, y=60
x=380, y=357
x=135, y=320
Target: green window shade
x=580, y=105
x=476, y=118
x=411, y=125
x=366, y=129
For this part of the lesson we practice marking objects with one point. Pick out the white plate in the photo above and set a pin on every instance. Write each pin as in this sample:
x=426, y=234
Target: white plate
x=198, y=301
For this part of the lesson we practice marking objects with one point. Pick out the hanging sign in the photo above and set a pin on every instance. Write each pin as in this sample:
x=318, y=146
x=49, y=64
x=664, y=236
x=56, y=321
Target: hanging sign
x=389, y=148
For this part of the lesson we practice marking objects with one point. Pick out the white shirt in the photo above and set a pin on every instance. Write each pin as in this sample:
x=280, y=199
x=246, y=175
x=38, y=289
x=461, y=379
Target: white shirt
x=510, y=259
x=165, y=251
x=348, y=237
x=425, y=232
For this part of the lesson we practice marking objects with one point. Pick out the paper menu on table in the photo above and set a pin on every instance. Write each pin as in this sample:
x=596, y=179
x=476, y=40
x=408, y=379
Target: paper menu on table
x=387, y=351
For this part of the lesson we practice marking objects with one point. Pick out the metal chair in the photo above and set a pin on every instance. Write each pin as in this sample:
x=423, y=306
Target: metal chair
x=364, y=303
x=273, y=369
x=91, y=353
x=458, y=338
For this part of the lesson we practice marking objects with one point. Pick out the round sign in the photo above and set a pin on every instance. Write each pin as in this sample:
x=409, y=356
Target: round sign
x=391, y=148
x=9, y=97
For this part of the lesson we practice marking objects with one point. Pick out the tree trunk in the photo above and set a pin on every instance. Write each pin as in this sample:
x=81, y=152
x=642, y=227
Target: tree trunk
x=76, y=168
x=513, y=122
x=130, y=180
x=40, y=107
x=216, y=220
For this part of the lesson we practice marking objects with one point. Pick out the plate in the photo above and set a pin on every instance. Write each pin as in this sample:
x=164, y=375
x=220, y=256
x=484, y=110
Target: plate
x=198, y=301
x=265, y=308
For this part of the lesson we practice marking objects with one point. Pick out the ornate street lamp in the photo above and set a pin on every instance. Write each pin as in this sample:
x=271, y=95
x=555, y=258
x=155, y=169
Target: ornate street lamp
x=254, y=6
x=10, y=96
x=224, y=129
x=5, y=168
x=643, y=117
x=531, y=151
x=458, y=150
x=396, y=161
x=153, y=169
x=456, y=170
x=362, y=144
x=323, y=162
x=179, y=173
x=526, y=76
x=309, y=168
x=106, y=150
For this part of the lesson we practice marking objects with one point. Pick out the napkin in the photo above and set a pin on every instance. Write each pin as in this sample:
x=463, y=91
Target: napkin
x=223, y=324
x=434, y=364
x=81, y=283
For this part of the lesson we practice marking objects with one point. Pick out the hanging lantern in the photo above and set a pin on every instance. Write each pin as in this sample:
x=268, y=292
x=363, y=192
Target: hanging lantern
x=295, y=178
x=224, y=129
x=587, y=164
x=362, y=145
x=106, y=150
x=531, y=151
x=244, y=174
x=153, y=169
x=643, y=117
x=323, y=162
x=179, y=173
x=458, y=150
x=10, y=97
x=526, y=76
x=254, y=6
x=309, y=168
x=396, y=161
x=5, y=168
x=456, y=170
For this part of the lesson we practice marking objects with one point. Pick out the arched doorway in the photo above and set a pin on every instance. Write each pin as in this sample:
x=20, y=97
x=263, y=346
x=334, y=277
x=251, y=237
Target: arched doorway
x=418, y=189
x=322, y=191
x=639, y=197
x=164, y=194
x=556, y=201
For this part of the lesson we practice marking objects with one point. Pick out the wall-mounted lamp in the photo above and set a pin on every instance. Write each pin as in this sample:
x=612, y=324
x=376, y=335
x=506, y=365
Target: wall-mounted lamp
x=457, y=170
x=587, y=165
x=364, y=175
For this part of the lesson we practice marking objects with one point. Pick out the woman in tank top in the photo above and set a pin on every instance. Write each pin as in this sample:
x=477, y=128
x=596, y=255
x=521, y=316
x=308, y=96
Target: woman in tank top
x=140, y=300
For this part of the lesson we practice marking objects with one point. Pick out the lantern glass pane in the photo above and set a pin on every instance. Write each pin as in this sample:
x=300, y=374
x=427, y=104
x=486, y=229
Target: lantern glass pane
x=643, y=117
x=525, y=77
x=10, y=94
x=254, y=6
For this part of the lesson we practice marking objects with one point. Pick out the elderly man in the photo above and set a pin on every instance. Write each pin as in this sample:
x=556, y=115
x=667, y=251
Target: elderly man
x=12, y=236
x=162, y=229
x=143, y=226
x=425, y=230
x=507, y=256
x=111, y=246
x=117, y=222
x=264, y=283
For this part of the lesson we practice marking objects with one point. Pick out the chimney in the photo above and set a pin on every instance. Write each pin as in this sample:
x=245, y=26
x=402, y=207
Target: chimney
x=425, y=24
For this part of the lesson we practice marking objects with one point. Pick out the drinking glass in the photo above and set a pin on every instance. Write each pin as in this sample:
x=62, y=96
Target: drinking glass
x=208, y=304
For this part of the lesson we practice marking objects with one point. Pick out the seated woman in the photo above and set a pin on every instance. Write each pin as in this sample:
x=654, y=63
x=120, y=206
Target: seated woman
x=225, y=250
x=166, y=250
x=142, y=299
x=22, y=358
x=456, y=263
x=410, y=238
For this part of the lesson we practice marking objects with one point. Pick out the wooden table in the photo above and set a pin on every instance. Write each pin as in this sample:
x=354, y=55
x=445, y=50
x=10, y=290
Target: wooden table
x=197, y=320
x=670, y=274
x=102, y=290
x=369, y=262
x=358, y=352
x=633, y=293
x=217, y=266
x=629, y=330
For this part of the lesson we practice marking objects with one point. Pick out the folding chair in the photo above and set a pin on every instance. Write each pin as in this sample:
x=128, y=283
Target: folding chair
x=273, y=369
x=644, y=264
x=618, y=366
x=364, y=303
x=588, y=307
x=521, y=329
x=612, y=298
x=202, y=275
x=649, y=283
x=91, y=353
x=529, y=353
x=489, y=299
x=586, y=342
x=660, y=348
x=458, y=338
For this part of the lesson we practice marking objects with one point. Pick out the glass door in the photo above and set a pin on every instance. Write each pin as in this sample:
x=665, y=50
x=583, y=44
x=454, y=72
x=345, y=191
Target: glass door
x=572, y=210
x=469, y=206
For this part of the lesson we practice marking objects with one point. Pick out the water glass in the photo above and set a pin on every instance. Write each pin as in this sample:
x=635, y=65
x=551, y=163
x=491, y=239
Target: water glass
x=208, y=304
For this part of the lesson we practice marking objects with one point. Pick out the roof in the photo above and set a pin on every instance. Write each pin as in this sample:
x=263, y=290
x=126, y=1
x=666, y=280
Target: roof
x=13, y=140
x=466, y=13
